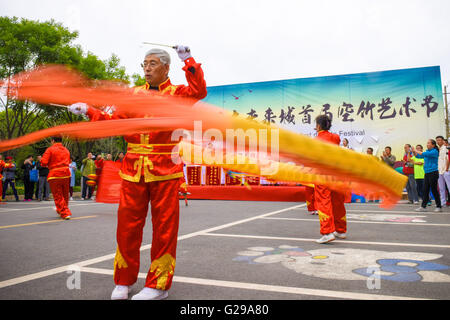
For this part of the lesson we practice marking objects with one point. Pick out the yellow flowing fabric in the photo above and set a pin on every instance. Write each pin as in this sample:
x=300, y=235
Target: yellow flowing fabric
x=316, y=162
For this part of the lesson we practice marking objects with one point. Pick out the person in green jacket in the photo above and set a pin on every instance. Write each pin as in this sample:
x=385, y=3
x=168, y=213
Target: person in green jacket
x=88, y=168
x=419, y=173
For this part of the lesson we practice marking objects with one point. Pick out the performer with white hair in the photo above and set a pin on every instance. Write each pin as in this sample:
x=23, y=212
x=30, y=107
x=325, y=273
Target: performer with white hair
x=149, y=175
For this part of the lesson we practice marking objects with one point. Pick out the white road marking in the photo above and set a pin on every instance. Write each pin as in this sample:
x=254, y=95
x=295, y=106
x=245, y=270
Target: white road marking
x=429, y=213
x=265, y=287
x=368, y=222
x=50, y=272
x=32, y=276
x=343, y=241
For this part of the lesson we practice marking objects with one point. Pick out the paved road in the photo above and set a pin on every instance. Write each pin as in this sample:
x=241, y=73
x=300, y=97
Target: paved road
x=231, y=250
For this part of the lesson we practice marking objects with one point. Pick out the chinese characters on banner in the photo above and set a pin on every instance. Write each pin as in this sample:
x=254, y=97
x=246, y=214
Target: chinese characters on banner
x=375, y=109
x=347, y=112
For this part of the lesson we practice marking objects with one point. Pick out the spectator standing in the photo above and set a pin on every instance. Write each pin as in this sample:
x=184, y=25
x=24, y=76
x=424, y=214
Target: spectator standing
x=120, y=157
x=36, y=185
x=408, y=170
x=345, y=144
x=419, y=173
x=98, y=166
x=88, y=168
x=442, y=167
x=430, y=166
x=2, y=165
x=388, y=157
x=43, y=185
x=27, y=166
x=9, y=172
x=369, y=151
x=73, y=170
x=447, y=168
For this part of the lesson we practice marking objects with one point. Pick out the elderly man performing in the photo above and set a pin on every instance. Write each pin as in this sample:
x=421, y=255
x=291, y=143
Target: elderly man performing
x=149, y=175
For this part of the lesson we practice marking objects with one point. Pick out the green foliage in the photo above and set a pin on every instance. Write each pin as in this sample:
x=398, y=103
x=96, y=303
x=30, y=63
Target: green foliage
x=138, y=80
x=25, y=44
x=114, y=71
x=77, y=178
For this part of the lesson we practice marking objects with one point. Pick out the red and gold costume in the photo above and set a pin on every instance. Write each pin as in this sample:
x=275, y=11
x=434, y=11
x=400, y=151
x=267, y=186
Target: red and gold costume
x=2, y=165
x=57, y=159
x=330, y=204
x=149, y=175
x=309, y=197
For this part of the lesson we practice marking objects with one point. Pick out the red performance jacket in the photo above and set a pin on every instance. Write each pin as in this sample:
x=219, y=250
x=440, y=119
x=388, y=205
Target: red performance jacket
x=329, y=137
x=150, y=155
x=57, y=159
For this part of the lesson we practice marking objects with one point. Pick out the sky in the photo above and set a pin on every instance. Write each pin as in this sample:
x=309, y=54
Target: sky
x=258, y=40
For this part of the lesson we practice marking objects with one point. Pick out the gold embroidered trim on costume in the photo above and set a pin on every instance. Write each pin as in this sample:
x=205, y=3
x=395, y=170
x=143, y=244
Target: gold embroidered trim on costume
x=323, y=216
x=119, y=261
x=163, y=267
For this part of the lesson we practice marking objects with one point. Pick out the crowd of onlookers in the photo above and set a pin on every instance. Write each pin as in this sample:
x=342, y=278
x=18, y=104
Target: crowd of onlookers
x=427, y=170
x=34, y=176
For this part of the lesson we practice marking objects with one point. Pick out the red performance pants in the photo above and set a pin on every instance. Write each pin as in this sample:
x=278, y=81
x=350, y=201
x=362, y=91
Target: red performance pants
x=60, y=191
x=330, y=205
x=309, y=197
x=133, y=208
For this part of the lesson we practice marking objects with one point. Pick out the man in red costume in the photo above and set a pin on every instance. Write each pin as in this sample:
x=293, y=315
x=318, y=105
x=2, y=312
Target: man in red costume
x=149, y=175
x=57, y=159
x=309, y=197
x=329, y=204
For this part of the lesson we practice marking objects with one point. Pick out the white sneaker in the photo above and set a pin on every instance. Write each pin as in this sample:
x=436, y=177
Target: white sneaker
x=340, y=235
x=120, y=292
x=71, y=199
x=313, y=212
x=150, y=294
x=438, y=210
x=421, y=209
x=326, y=238
x=416, y=202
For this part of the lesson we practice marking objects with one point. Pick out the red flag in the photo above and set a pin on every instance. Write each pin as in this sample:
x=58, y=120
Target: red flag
x=110, y=182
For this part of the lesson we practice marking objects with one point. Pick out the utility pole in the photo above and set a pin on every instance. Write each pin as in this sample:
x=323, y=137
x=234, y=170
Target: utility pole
x=447, y=129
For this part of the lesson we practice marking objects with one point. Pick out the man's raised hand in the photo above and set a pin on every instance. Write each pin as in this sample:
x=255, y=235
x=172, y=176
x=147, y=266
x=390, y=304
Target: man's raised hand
x=78, y=108
x=184, y=52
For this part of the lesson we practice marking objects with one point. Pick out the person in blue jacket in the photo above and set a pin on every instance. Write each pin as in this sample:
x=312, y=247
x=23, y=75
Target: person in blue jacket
x=430, y=167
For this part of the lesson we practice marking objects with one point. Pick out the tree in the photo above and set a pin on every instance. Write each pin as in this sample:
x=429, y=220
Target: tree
x=138, y=80
x=25, y=44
